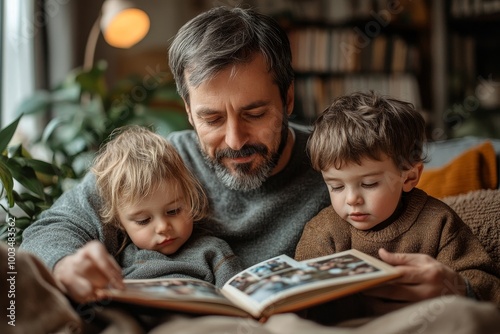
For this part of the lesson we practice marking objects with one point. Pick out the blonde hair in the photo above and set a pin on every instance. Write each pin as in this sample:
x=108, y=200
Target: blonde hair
x=363, y=125
x=133, y=164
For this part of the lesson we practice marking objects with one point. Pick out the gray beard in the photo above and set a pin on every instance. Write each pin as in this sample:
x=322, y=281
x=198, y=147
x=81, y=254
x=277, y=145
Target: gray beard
x=241, y=180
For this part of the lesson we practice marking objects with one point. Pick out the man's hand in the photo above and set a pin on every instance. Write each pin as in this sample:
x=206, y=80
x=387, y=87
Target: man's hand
x=423, y=278
x=83, y=274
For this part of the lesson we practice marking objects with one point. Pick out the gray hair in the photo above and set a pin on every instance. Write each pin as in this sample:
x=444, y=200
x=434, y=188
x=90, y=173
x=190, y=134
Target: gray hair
x=225, y=36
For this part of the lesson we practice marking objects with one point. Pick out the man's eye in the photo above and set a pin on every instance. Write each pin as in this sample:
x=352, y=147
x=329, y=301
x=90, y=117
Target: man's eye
x=213, y=121
x=256, y=116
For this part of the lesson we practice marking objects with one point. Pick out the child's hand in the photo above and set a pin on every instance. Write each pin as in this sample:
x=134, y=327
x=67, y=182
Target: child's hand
x=83, y=274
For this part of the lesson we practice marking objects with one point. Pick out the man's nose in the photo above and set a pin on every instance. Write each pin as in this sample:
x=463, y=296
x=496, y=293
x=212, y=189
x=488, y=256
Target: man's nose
x=236, y=134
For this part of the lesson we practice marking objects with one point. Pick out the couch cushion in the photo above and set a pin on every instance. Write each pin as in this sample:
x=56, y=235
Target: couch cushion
x=481, y=211
x=474, y=169
x=443, y=151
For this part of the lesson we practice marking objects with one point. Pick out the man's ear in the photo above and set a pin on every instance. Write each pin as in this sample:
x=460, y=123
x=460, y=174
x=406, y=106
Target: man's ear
x=413, y=176
x=188, y=111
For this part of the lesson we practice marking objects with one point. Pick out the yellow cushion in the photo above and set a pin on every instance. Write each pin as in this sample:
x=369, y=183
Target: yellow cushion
x=474, y=169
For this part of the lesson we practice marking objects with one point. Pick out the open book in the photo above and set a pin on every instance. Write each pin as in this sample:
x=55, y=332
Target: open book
x=277, y=285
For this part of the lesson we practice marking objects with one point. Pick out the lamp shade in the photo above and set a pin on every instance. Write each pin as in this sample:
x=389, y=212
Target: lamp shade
x=122, y=24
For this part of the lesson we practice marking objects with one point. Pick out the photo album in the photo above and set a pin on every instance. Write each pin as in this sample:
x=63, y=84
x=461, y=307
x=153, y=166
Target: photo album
x=277, y=285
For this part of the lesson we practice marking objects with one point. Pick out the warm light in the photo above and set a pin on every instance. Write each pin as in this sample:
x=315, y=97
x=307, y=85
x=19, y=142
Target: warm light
x=122, y=25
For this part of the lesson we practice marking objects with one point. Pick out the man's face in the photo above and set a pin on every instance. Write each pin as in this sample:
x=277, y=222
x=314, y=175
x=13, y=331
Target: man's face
x=241, y=123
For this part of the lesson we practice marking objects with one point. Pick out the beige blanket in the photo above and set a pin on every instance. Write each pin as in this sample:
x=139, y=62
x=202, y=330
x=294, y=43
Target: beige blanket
x=30, y=301
x=40, y=308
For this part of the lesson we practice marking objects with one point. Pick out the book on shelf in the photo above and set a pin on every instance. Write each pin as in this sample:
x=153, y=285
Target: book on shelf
x=277, y=285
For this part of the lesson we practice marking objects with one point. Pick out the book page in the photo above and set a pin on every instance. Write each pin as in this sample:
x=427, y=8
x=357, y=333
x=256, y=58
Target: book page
x=282, y=277
x=174, y=289
x=187, y=295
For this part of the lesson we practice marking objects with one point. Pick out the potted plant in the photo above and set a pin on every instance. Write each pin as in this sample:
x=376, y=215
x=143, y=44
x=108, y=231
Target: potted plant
x=40, y=183
x=83, y=112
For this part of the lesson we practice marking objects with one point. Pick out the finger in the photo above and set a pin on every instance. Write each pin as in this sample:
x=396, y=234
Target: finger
x=394, y=259
x=79, y=276
x=99, y=250
x=400, y=259
x=83, y=267
x=81, y=290
x=106, y=268
x=396, y=292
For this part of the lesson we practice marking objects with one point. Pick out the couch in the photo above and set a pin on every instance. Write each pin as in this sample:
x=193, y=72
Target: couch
x=465, y=174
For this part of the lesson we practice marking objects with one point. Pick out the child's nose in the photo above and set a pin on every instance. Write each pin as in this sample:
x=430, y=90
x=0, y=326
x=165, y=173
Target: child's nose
x=163, y=226
x=354, y=198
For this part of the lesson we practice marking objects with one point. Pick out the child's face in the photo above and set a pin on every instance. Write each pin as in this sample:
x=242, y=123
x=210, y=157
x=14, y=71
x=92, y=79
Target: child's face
x=159, y=222
x=367, y=194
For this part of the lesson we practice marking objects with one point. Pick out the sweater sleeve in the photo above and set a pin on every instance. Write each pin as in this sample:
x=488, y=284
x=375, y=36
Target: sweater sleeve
x=226, y=263
x=67, y=225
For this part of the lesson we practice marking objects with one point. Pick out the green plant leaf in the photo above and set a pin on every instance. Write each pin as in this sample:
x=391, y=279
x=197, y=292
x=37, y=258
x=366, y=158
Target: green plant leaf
x=39, y=101
x=3, y=230
x=76, y=145
x=28, y=207
x=7, y=181
x=25, y=175
x=7, y=133
x=23, y=222
x=57, y=130
x=69, y=94
x=93, y=81
x=31, y=204
x=43, y=167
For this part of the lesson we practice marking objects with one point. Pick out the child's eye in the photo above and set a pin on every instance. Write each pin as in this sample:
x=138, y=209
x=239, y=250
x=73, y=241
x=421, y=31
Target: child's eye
x=143, y=222
x=336, y=188
x=370, y=185
x=173, y=212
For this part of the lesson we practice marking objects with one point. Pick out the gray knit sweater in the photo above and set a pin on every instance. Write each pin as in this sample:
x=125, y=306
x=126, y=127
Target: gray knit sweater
x=257, y=225
x=203, y=257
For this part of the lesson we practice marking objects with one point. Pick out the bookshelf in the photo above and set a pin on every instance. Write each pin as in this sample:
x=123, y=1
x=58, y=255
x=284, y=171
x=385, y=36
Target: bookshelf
x=473, y=68
x=343, y=46
x=440, y=55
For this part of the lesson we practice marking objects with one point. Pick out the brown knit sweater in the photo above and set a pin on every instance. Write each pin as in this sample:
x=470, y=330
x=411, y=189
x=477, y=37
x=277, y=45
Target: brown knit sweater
x=426, y=225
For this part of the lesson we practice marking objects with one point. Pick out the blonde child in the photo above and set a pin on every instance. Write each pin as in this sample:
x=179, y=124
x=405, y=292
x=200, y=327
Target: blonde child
x=148, y=194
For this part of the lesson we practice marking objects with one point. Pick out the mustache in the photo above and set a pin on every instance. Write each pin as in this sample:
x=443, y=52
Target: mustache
x=241, y=153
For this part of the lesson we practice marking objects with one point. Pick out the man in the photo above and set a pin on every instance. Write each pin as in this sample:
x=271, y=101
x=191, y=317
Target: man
x=252, y=165
x=233, y=70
